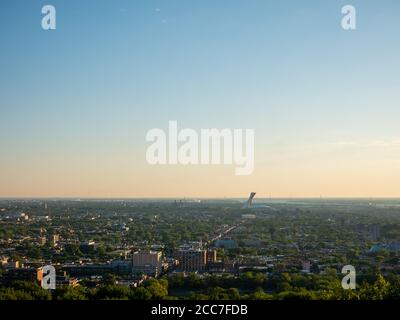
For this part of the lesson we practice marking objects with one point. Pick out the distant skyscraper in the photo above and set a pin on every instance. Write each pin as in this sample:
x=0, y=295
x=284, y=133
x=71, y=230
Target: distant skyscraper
x=249, y=203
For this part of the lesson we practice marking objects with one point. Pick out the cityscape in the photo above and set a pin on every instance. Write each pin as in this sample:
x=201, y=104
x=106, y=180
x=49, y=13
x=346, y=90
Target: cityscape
x=163, y=155
x=218, y=249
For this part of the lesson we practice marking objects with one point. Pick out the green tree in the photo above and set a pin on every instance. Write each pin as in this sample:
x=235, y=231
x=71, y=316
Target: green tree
x=140, y=293
x=33, y=289
x=157, y=289
x=233, y=294
x=70, y=293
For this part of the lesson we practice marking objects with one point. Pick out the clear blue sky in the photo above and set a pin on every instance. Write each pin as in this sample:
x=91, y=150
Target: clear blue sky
x=88, y=92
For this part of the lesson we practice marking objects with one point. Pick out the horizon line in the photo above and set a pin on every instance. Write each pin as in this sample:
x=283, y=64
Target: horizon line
x=197, y=198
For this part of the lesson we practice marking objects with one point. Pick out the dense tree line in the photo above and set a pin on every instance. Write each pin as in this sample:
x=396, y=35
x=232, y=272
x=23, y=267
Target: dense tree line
x=250, y=286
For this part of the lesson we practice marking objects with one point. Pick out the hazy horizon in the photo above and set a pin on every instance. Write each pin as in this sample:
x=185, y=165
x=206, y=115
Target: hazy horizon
x=197, y=198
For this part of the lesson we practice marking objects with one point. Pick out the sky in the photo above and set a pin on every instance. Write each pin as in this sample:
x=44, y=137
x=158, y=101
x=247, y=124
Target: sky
x=76, y=102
